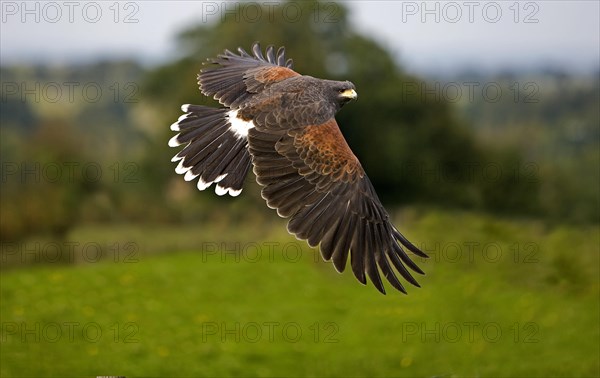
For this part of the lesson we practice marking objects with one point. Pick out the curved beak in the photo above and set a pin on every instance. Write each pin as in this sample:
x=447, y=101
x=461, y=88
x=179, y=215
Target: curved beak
x=349, y=94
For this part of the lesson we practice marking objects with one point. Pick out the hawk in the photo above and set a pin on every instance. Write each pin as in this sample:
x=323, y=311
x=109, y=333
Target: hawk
x=282, y=125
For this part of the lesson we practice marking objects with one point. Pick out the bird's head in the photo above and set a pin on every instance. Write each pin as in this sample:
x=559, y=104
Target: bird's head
x=340, y=92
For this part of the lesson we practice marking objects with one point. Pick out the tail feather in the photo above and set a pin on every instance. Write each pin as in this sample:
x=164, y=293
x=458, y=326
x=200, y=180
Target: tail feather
x=214, y=152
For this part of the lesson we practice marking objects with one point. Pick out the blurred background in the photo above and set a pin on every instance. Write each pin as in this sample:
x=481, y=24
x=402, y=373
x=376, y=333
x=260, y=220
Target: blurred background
x=478, y=124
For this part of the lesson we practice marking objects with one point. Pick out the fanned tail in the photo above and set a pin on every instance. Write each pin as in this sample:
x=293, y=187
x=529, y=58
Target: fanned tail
x=216, y=148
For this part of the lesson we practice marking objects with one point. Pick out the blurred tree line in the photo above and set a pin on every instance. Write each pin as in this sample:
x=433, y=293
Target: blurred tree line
x=416, y=147
x=553, y=120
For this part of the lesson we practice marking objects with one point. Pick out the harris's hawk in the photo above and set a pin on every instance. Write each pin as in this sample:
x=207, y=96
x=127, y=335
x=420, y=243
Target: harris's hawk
x=282, y=125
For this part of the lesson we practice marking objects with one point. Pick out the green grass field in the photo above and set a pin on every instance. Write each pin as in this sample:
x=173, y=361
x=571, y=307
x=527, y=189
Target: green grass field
x=501, y=298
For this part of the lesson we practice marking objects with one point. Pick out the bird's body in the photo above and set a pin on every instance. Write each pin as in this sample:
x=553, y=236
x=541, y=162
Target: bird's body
x=282, y=125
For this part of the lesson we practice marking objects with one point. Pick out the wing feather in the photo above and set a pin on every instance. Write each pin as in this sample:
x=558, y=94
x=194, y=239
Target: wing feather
x=329, y=200
x=344, y=242
x=371, y=253
x=233, y=79
x=357, y=252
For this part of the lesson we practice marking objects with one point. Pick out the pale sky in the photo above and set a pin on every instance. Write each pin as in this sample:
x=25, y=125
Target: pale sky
x=426, y=37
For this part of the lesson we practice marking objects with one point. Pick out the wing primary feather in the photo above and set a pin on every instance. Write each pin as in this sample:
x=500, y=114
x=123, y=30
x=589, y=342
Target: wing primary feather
x=407, y=260
x=357, y=251
x=328, y=242
x=382, y=261
x=344, y=238
x=281, y=56
x=322, y=224
x=271, y=54
x=402, y=269
x=369, y=255
x=393, y=257
x=408, y=244
x=257, y=51
x=244, y=53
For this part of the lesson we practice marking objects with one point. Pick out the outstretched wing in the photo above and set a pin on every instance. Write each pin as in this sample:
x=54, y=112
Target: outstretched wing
x=311, y=176
x=232, y=79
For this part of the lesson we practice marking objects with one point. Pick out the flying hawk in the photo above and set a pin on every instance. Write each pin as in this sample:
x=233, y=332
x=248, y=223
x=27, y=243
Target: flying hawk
x=282, y=125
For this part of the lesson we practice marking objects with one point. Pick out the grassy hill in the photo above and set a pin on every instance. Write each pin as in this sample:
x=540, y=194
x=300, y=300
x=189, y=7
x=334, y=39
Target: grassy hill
x=501, y=297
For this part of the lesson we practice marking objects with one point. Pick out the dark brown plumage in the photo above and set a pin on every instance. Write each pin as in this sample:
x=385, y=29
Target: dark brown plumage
x=282, y=124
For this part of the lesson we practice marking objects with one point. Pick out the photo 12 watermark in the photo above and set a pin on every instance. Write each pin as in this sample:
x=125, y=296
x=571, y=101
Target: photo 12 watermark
x=271, y=11
x=452, y=12
x=62, y=92
x=52, y=12
x=253, y=252
x=471, y=332
x=471, y=91
x=70, y=252
x=474, y=252
x=270, y=331
x=471, y=171
x=69, y=332
x=68, y=172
